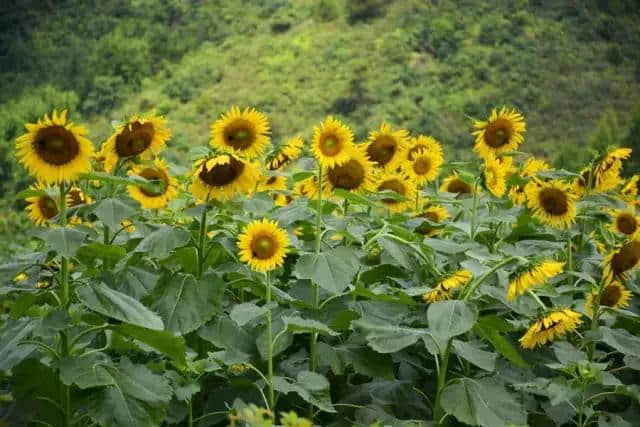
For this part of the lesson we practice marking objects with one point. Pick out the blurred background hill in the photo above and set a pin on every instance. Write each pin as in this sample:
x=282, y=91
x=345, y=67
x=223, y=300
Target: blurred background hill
x=571, y=66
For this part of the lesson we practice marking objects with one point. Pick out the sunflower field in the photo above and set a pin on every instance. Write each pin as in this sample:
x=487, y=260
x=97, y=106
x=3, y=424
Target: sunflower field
x=312, y=279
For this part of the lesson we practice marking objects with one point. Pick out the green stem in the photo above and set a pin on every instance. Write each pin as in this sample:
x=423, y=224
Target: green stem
x=201, y=240
x=314, y=286
x=537, y=298
x=269, y=346
x=65, y=299
x=570, y=258
x=474, y=208
x=190, y=414
x=442, y=380
x=417, y=198
x=595, y=318
x=106, y=240
x=581, y=407
x=474, y=285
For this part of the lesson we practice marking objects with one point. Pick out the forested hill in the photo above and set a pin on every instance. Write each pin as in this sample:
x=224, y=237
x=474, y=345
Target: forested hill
x=572, y=67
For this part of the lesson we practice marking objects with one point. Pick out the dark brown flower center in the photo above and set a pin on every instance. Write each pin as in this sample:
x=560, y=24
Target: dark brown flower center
x=382, y=150
x=348, y=176
x=330, y=145
x=393, y=185
x=134, y=139
x=626, y=223
x=48, y=207
x=585, y=179
x=221, y=175
x=263, y=247
x=154, y=175
x=76, y=198
x=610, y=296
x=240, y=134
x=626, y=258
x=422, y=165
x=554, y=201
x=272, y=180
x=550, y=325
x=56, y=145
x=498, y=133
x=458, y=186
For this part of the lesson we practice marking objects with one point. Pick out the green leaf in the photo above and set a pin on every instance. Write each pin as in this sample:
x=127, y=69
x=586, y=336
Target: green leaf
x=183, y=387
x=86, y=371
x=310, y=386
x=482, y=359
x=621, y=340
x=112, y=212
x=399, y=252
x=366, y=361
x=11, y=334
x=64, y=240
x=246, y=312
x=448, y=319
x=161, y=341
x=99, y=250
x=489, y=330
x=150, y=185
x=283, y=343
x=385, y=338
x=355, y=199
x=225, y=333
x=161, y=242
x=482, y=402
x=137, y=282
x=111, y=303
x=185, y=303
x=332, y=270
x=296, y=324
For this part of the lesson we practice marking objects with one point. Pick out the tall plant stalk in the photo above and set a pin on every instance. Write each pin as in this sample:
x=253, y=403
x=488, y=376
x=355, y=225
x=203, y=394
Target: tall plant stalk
x=313, y=361
x=65, y=301
x=271, y=394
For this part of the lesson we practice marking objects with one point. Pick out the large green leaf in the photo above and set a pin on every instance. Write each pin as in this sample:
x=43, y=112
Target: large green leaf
x=112, y=211
x=173, y=346
x=489, y=328
x=225, y=333
x=11, y=334
x=482, y=402
x=310, y=386
x=64, y=240
x=448, y=319
x=386, y=338
x=185, y=302
x=246, y=312
x=365, y=361
x=137, y=282
x=482, y=359
x=332, y=270
x=297, y=324
x=161, y=242
x=621, y=340
x=111, y=303
x=86, y=371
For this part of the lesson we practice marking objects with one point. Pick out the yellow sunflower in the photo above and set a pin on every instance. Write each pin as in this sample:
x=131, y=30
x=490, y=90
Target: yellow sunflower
x=624, y=221
x=41, y=209
x=54, y=150
x=535, y=276
x=614, y=295
x=244, y=132
x=500, y=134
x=285, y=154
x=139, y=136
x=554, y=324
x=613, y=159
x=552, y=202
x=630, y=189
x=423, y=166
x=434, y=213
x=601, y=181
x=385, y=147
x=128, y=226
x=355, y=174
x=529, y=169
x=307, y=187
x=153, y=199
x=263, y=245
x=222, y=177
x=622, y=260
x=422, y=142
x=274, y=185
x=444, y=289
x=495, y=175
x=332, y=142
x=401, y=184
x=76, y=197
x=453, y=184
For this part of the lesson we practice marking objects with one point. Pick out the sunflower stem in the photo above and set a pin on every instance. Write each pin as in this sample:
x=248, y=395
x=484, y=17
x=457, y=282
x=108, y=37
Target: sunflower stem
x=570, y=258
x=442, y=380
x=106, y=240
x=474, y=208
x=269, y=344
x=314, y=286
x=64, y=298
x=474, y=285
x=537, y=298
x=201, y=240
x=417, y=198
x=595, y=318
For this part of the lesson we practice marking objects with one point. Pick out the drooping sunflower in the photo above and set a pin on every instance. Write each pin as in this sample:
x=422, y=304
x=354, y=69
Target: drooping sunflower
x=386, y=147
x=222, y=177
x=602, y=181
x=613, y=159
x=138, y=136
x=77, y=197
x=401, y=184
x=552, y=202
x=263, y=245
x=434, y=213
x=55, y=150
x=307, y=187
x=285, y=154
x=154, y=199
x=622, y=260
x=355, y=175
x=332, y=142
x=495, y=175
x=43, y=208
x=529, y=169
x=554, y=324
x=539, y=274
x=274, y=185
x=445, y=288
x=631, y=188
x=423, y=166
x=624, y=221
x=614, y=295
x=500, y=134
x=244, y=132
x=454, y=184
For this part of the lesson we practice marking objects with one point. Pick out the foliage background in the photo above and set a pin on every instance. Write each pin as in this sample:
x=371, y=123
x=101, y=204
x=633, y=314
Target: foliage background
x=572, y=68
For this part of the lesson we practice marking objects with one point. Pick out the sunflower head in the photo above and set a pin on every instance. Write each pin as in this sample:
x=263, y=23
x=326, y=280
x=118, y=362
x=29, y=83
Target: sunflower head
x=534, y=276
x=423, y=165
x=613, y=295
x=285, y=154
x=622, y=260
x=434, y=213
x=501, y=133
x=355, y=174
x=307, y=187
x=385, y=147
x=631, y=189
x=454, y=184
x=76, y=197
x=43, y=208
x=150, y=199
x=552, y=202
x=400, y=184
x=332, y=142
x=244, y=132
x=554, y=324
x=447, y=286
x=222, y=177
x=495, y=175
x=624, y=221
x=55, y=150
x=263, y=245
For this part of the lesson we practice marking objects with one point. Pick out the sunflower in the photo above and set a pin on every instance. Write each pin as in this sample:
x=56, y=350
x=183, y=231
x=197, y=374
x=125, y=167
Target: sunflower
x=355, y=175
x=624, y=221
x=599, y=181
x=613, y=295
x=434, y=213
x=285, y=154
x=43, y=208
x=221, y=177
x=307, y=187
x=244, y=132
x=495, y=175
x=500, y=134
x=401, y=184
x=138, y=136
x=153, y=199
x=128, y=226
x=423, y=166
x=385, y=147
x=453, y=184
x=552, y=202
x=552, y=325
x=76, y=197
x=622, y=260
x=630, y=189
x=332, y=142
x=263, y=245
x=444, y=289
x=529, y=169
x=55, y=150
x=422, y=142
x=613, y=159
x=535, y=276
x=274, y=185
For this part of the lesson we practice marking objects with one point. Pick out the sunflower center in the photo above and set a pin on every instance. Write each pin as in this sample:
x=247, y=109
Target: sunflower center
x=330, y=145
x=348, y=176
x=153, y=175
x=382, y=150
x=221, y=175
x=76, y=198
x=610, y=296
x=263, y=247
x=459, y=186
x=56, y=145
x=550, y=325
x=134, y=139
x=422, y=165
x=432, y=216
x=272, y=180
x=626, y=223
x=393, y=185
x=239, y=135
x=48, y=207
x=626, y=258
x=554, y=201
x=498, y=133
